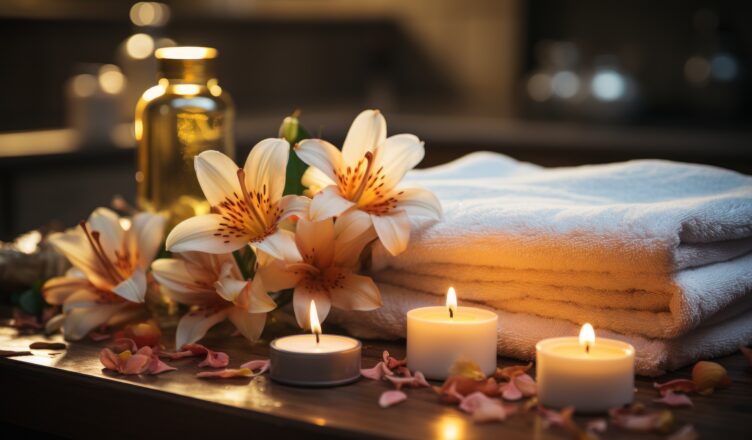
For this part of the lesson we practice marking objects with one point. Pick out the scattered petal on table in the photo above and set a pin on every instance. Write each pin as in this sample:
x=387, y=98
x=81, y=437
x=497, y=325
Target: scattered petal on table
x=225, y=374
x=511, y=371
x=391, y=362
x=598, y=426
x=258, y=366
x=156, y=366
x=416, y=381
x=215, y=359
x=98, y=336
x=509, y=391
x=641, y=421
x=684, y=385
x=670, y=398
x=525, y=384
x=391, y=397
x=377, y=372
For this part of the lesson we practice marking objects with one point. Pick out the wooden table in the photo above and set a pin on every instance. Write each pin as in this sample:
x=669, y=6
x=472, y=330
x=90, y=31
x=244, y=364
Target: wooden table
x=67, y=393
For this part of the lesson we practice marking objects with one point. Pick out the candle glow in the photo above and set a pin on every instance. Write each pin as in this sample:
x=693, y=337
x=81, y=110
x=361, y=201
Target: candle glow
x=451, y=301
x=587, y=336
x=314, y=320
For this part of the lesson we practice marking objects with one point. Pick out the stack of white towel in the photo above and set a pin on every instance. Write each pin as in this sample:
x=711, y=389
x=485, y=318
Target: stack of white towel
x=652, y=252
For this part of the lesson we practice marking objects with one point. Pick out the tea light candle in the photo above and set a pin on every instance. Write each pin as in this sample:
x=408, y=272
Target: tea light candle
x=590, y=375
x=315, y=360
x=439, y=336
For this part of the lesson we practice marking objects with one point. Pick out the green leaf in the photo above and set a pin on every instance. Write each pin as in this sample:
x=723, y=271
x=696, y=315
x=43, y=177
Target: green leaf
x=246, y=260
x=293, y=132
x=31, y=302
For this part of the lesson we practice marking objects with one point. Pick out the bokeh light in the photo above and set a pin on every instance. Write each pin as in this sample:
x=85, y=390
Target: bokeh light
x=608, y=85
x=565, y=84
x=111, y=79
x=139, y=46
x=84, y=85
x=149, y=14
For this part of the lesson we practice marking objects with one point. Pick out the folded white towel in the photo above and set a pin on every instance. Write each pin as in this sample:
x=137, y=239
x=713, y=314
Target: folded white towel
x=688, y=299
x=518, y=333
x=644, y=217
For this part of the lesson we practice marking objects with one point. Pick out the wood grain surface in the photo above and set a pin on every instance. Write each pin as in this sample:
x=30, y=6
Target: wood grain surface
x=67, y=393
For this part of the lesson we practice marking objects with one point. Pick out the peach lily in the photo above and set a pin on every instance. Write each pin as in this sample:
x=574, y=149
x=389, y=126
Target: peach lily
x=363, y=180
x=247, y=204
x=110, y=257
x=322, y=269
x=215, y=289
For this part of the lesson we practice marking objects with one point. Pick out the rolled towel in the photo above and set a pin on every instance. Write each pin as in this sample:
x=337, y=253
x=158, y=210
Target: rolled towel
x=638, y=217
x=518, y=332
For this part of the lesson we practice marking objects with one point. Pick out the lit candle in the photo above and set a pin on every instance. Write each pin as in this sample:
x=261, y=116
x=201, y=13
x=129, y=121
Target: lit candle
x=439, y=336
x=315, y=359
x=592, y=375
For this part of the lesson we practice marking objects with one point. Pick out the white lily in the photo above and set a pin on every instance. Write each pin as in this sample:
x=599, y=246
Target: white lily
x=215, y=289
x=364, y=177
x=247, y=204
x=324, y=270
x=108, y=282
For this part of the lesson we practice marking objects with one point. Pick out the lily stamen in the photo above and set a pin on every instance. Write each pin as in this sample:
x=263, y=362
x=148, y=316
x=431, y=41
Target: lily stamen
x=255, y=210
x=364, y=180
x=99, y=252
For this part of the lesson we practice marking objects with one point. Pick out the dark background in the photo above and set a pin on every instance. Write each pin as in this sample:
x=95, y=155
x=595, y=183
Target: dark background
x=461, y=75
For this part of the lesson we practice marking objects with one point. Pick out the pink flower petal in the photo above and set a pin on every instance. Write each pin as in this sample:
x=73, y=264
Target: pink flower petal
x=747, y=352
x=123, y=344
x=471, y=402
x=392, y=362
x=417, y=381
x=597, y=426
x=136, y=364
x=684, y=385
x=377, y=372
x=525, y=384
x=632, y=420
x=490, y=411
x=670, y=398
x=556, y=418
x=509, y=391
x=404, y=372
x=262, y=365
x=109, y=359
x=225, y=374
x=392, y=397
x=511, y=371
x=215, y=359
x=99, y=336
x=156, y=366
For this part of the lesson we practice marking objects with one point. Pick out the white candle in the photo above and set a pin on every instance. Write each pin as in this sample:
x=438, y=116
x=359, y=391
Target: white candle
x=590, y=375
x=439, y=336
x=315, y=359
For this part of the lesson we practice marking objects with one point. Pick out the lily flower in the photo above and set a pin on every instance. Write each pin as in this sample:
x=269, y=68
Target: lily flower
x=363, y=180
x=247, y=203
x=215, y=289
x=107, y=283
x=323, y=270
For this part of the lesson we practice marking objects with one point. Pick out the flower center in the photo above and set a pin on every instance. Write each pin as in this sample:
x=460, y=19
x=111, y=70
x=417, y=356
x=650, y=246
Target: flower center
x=116, y=271
x=251, y=215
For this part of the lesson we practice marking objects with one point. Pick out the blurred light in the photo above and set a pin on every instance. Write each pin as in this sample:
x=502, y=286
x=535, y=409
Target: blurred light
x=697, y=70
x=139, y=46
x=450, y=427
x=187, y=89
x=150, y=14
x=214, y=87
x=84, y=85
x=539, y=87
x=186, y=53
x=608, y=85
x=125, y=223
x=111, y=80
x=723, y=67
x=28, y=243
x=565, y=84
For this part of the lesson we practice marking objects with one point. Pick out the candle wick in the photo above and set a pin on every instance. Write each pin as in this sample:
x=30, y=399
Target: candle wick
x=317, y=337
x=451, y=313
x=587, y=348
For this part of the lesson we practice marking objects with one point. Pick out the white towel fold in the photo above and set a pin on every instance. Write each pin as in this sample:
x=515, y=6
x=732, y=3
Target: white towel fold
x=518, y=333
x=645, y=216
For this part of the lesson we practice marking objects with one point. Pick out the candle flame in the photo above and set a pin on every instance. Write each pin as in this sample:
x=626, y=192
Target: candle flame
x=587, y=336
x=313, y=317
x=451, y=301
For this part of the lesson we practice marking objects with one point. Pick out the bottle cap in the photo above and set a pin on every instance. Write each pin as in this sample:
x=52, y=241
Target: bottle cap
x=187, y=63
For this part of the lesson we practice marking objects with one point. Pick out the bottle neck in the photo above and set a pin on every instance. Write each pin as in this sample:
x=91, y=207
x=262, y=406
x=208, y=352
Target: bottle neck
x=198, y=71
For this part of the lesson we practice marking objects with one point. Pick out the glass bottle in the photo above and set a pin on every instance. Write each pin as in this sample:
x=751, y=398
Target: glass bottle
x=185, y=114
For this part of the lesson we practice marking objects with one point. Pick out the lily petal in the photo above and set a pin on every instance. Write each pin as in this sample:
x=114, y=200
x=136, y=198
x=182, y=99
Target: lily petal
x=147, y=232
x=328, y=203
x=229, y=288
x=134, y=288
x=192, y=287
x=281, y=245
x=265, y=165
x=75, y=247
x=250, y=325
x=301, y=302
x=419, y=202
x=275, y=277
x=80, y=321
x=111, y=234
x=398, y=155
x=315, y=238
x=393, y=231
x=367, y=131
x=315, y=180
x=81, y=298
x=258, y=366
x=321, y=155
x=355, y=292
x=225, y=374
x=294, y=206
x=218, y=176
x=199, y=233
x=194, y=325
x=57, y=289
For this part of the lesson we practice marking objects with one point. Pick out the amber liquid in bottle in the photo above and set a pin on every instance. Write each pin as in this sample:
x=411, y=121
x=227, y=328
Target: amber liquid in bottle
x=185, y=114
